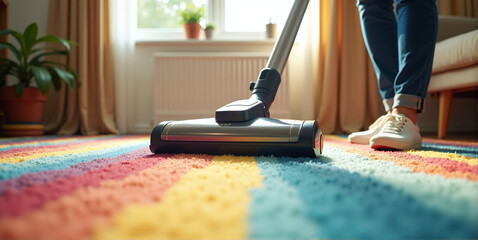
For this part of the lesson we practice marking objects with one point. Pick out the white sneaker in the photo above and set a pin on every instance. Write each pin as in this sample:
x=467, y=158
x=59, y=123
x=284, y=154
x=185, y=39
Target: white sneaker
x=398, y=132
x=363, y=137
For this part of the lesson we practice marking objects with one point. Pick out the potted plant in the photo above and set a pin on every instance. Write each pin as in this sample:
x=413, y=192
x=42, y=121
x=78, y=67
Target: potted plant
x=190, y=17
x=33, y=74
x=209, y=30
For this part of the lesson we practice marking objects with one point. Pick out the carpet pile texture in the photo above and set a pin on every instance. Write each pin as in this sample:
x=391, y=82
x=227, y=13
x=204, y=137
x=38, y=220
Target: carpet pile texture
x=112, y=187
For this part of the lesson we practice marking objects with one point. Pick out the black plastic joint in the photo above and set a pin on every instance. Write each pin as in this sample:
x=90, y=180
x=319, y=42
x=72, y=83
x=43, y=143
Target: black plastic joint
x=266, y=86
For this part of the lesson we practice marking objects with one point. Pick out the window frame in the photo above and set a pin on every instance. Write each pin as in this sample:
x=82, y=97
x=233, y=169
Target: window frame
x=215, y=13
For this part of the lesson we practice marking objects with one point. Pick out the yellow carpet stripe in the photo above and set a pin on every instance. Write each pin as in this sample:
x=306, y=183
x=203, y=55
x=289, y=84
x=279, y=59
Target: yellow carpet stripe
x=209, y=203
x=25, y=156
x=451, y=156
x=337, y=138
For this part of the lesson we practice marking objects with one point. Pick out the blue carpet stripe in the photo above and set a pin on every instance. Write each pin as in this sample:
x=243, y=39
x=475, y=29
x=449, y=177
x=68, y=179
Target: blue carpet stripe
x=277, y=210
x=465, y=151
x=337, y=199
x=435, y=191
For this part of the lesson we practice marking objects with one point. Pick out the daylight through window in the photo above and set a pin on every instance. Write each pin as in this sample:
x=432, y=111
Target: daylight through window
x=232, y=18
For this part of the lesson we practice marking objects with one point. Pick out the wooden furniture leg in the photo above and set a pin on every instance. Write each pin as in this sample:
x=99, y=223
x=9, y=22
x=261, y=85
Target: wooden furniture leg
x=444, y=112
x=3, y=23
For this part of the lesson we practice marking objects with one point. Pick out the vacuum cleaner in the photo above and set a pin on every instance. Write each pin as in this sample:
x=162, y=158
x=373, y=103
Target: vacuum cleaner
x=244, y=127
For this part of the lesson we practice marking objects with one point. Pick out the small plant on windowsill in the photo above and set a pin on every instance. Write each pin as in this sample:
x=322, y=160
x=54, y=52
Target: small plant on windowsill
x=209, y=30
x=191, y=16
x=23, y=102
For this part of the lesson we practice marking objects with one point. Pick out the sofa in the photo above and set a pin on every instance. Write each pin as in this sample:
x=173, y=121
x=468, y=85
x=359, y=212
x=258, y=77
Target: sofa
x=455, y=64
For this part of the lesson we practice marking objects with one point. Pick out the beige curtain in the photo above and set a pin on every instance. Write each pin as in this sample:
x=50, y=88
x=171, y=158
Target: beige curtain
x=464, y=8
x=88, y=110
x=348, y=98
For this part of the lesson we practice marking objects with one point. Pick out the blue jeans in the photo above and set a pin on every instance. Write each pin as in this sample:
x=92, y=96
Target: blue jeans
x=401, y=47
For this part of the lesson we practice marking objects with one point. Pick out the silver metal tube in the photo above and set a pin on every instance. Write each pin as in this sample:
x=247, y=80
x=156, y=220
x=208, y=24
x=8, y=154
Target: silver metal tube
x=284, y=44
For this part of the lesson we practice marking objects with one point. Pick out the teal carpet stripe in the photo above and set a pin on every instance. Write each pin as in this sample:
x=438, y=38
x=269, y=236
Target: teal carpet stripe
x=389, y=201
x=339, y=199
x=462, y=150
x=277, y=209
x=435, y=191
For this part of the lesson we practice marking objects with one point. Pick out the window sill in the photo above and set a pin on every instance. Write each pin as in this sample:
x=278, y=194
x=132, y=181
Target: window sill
x=201, y=42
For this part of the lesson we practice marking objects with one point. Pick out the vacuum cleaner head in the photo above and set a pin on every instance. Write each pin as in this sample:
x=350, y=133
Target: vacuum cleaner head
x=258, y=137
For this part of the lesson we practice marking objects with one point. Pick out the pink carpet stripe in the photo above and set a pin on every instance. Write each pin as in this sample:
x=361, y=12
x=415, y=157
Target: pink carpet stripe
x=38, y=178
x=445, y=167
x=93, y=206
x=35, y=196
x=16, y=155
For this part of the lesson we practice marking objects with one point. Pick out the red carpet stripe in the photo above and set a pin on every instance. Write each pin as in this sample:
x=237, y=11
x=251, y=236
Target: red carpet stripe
x=44, y=177
x=16, y=203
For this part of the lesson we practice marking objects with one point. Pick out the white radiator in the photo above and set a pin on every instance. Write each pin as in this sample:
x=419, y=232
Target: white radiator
x=193, y=85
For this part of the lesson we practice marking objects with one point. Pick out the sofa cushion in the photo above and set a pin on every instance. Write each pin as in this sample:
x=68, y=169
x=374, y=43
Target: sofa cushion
x=456, y=79
x=456, y=52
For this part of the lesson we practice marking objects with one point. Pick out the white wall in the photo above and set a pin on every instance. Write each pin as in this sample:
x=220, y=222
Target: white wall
x=464, y=116
x=24, y=12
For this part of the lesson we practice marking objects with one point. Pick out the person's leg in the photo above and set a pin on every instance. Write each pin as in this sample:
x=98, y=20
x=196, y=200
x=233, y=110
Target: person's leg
x=416, y=31
x=379, y=29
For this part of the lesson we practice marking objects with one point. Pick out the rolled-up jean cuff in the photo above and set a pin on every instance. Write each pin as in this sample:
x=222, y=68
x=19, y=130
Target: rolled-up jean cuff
x=388, y=104
x=408, y=101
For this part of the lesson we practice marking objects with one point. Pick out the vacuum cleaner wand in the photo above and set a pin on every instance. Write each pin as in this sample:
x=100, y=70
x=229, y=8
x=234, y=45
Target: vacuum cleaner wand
x=243, y=127
x=283, y=46
x=265, y=88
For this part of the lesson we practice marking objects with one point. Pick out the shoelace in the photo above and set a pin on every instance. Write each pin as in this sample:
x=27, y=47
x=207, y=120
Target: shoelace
x=394, y=123
x=378, y=122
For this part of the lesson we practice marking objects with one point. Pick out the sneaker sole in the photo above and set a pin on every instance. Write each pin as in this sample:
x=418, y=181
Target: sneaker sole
x=396, y=146
x=359, y=141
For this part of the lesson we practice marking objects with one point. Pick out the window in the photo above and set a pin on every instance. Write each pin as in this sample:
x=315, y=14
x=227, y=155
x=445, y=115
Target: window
x=163, y=14
x=234, y=19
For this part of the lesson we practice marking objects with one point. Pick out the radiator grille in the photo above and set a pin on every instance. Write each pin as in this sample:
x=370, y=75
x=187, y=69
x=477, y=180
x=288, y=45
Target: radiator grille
x=194, y=85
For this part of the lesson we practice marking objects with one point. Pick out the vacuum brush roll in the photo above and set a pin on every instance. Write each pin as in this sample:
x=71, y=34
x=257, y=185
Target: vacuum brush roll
x=260, y=136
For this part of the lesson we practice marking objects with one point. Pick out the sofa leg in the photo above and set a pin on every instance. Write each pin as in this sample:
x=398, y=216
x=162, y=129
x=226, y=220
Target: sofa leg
x=444, y=112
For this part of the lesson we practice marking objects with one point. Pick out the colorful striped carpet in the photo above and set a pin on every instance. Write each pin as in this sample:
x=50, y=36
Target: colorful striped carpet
x=112, y=187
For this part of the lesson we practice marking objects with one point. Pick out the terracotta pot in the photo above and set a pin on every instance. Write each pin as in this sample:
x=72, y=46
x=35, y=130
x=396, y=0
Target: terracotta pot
x=192, y=30
x=23, y=115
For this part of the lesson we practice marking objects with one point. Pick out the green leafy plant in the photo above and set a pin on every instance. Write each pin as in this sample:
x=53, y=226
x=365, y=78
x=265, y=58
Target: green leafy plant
x=29, y=64
x=191, y=14
x=210, y=26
